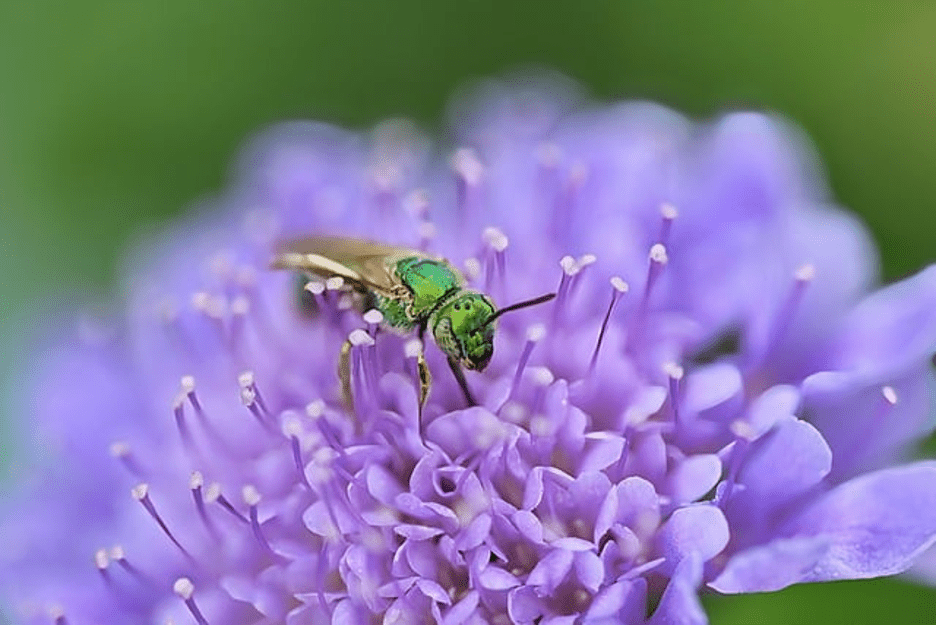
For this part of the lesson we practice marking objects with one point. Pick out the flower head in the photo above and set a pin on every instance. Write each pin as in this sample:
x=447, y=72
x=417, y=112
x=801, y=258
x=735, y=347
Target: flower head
x=711, y=401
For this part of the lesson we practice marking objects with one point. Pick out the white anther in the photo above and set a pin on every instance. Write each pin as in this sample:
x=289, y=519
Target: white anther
x=240, y=305
x=315, y=409
x=119, y=449
x=658, y=254
x=618, y=283
x=245, y=379
x=668, y=211
x=345, y=302
x=101, y=559
x=292, y=425
x=373, y=316
x=117, y=553
x=196, y=480
x=806, y=272
x=536, y=332
x=568, y=265
x=334, y=283
x=183, y=588
x=412, y=348
x=673, y=370
x=359, y=337
x=187, y=384
x=139, y=492
x=315, y=287
x=542, y=376
x=585, y=260
x=495, y=238
x=467, y=165
x=250, y=495
x=889, y=393
x=212, y=493
x=247, y=396
x=212, y=306
x=472, y=268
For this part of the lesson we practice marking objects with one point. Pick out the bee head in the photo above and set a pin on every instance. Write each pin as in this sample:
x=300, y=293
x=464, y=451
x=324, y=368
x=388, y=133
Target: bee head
x=463, y=330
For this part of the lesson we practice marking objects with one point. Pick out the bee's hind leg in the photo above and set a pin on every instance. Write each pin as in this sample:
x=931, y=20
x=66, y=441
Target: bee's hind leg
x=344, y=375
x=425, y=380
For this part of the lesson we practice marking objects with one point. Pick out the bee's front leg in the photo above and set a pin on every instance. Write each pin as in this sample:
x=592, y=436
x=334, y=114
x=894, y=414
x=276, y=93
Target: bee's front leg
x=460, y=377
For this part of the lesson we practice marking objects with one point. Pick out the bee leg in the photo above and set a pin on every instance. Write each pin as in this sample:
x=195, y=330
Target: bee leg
x=460, y=377
x=425, y=381
x=344, y=375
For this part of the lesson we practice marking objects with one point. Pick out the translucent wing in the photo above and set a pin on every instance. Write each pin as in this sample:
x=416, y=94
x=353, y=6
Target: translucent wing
x=364, y=264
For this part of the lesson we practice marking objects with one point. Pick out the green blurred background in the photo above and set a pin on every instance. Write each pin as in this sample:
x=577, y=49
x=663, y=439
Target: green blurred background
x=117, y=115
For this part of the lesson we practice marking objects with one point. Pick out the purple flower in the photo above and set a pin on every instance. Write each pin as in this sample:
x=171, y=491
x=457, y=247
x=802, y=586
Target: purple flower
x=713, y=401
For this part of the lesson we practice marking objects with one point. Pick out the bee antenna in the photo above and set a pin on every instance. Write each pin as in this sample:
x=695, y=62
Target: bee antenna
x=521, y=305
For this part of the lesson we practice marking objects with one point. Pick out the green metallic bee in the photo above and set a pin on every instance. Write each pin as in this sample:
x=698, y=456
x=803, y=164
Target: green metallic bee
x=413, y=291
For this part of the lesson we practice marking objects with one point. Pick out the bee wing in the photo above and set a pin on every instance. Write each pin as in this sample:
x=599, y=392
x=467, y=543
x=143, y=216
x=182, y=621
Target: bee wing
x=364, y=264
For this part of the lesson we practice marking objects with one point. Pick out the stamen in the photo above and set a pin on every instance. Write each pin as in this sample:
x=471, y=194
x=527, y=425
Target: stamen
x=140, y=493
x=804, y=275
x=184, y=588
x=618, y=288
x=535, y=334
x=249, y=399
x=364, y=363
x=669, y=213
x=675, y=374
x=178, y=410
x=212, y=307
x=497, y=243
x=863, y=436
x=213, y=494
x=292, y=428
x=101, y=561
x=569, y=270
x=252, y=499
x=117, y=555
x=121, y=450
x=373, y=318
x=57, y=614
x=196, y=483
x=317, y=289
x=246, y=380
x=658, y=260
x=468, y=174
x=472, y=268
x=188, y=388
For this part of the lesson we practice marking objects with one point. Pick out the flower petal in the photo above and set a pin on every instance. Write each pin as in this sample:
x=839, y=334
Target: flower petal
x=680, y=602
x=876, y=524
x=698, y=529
x=773, y=566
